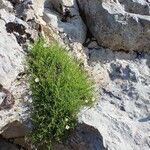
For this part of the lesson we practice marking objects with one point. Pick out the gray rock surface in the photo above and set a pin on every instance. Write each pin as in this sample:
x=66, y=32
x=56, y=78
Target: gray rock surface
x=11, y=65
x=118, y=24
x=14, y=130
x=122, y=109
x=6, y=5
x=64, y=17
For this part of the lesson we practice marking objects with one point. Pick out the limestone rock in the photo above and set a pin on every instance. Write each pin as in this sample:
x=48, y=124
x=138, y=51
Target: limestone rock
x=118, y=24
x=65, y=20
x=6, y=5
x=11, y=57
x=14, y=32
x=86, y=137
x=122, y=108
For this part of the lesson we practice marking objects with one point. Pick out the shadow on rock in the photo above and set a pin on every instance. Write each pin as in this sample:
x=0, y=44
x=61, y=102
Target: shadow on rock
x=4, y=145
x=86, y=137
x=65, y=18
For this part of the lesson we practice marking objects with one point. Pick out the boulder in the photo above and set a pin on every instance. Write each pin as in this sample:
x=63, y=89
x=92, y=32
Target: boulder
x=118, y=24
x=85, y=137
x=12, y=107
x=64, y=17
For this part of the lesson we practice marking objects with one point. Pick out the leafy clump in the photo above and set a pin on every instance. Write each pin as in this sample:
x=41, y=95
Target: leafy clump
x=59, y=89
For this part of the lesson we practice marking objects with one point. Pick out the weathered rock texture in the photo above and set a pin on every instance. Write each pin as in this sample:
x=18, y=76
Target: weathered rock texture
x=120, y=118
x=118, y=24
x=86, y=137
x=7, y=146
x=11, y=64
x=18, y=26
x=121, y=112
x=64, y=17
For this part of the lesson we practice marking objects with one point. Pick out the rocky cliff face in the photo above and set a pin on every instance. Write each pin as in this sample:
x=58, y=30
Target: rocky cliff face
x=18, y=27
x=119, y=65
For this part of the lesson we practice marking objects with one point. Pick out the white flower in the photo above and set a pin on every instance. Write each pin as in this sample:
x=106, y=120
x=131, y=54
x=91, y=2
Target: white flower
x=93, y=99
x=86, y=101
x=66, y=119
x=37, y=80
x=67, y=127
x=30, y=100
x=30, y=92
x=26, y=98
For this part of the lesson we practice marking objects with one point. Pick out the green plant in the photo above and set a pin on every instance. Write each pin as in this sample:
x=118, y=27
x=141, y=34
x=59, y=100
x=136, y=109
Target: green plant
x=59, y=88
